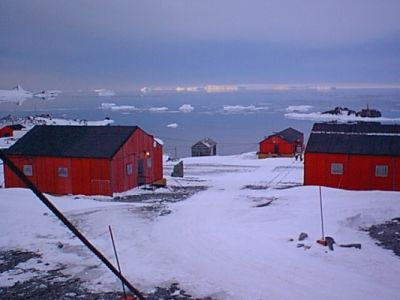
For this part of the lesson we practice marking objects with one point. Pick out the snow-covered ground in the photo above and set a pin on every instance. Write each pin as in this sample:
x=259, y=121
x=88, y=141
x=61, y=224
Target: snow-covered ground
x=224, y=241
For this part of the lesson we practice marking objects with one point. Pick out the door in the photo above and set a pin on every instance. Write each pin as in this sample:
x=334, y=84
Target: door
x=276, y=149
x=141, y=177
x=100, y=187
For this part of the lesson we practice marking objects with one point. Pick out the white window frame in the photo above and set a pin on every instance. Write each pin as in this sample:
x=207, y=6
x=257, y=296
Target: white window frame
x=28, y=170
x=129, y=169
x=381, y=171
x=62, y=172
x=336, y=168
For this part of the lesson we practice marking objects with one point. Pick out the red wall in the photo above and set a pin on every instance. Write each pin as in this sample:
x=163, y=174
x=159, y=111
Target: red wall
x=6, y=132
x=134, y=150
x=358, y=171
x=158, y=162
x=267, y=146
x=85, y=176
x=90, y=176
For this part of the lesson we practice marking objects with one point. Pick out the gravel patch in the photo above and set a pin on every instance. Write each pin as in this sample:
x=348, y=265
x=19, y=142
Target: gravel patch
x=10, y=259
x=54, y=285
x=177, y=194
x=388, y=235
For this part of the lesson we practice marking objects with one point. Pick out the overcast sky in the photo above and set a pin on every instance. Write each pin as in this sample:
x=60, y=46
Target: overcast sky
x=123, y=44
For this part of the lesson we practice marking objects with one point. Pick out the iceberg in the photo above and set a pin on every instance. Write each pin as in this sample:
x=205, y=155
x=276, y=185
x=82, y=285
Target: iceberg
x=172, y=125
x=186, y=108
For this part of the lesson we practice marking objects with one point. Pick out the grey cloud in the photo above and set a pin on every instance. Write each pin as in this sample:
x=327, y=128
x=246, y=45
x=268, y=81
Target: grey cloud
x=178, y=41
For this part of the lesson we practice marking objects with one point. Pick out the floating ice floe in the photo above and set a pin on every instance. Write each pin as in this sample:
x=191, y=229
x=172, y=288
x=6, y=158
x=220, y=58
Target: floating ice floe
x=104, y=92
x=318, y=116
x=299, y=108
x=187, y=89
x=221, y=88
x=124, y=108
x=114, y=107
x=107, y=105
x=243, y=109
x=158, y=109
x=186, y=108
x=172, y=125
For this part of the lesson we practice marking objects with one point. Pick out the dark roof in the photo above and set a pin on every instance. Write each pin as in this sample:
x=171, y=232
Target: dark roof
x=72, y=141
x=207, y=142
x=361, y=139
x=289, y=134
x=362, y=127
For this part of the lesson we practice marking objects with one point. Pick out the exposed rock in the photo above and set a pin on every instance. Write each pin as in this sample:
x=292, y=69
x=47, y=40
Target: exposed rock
x=357, y=246
x=364, y=113
x=330, y=241
x=303, y=236
x=178, y=170
x=388, y=234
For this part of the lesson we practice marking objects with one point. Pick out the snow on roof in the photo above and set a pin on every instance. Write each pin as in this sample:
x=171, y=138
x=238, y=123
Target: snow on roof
x=159, y=141
x=208, y=142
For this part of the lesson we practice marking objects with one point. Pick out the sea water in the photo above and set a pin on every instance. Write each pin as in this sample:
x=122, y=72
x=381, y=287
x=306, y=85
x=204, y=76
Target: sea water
x=237, y=121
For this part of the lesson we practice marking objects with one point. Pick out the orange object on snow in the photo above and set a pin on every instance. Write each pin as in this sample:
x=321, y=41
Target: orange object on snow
x=322, y=242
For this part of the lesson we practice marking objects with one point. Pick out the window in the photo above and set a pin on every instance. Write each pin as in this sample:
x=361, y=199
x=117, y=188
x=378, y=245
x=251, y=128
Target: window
x=62, y=172
x=149, y=163
x=381, y=171
x=336, y=169
x=28, y=171
x=129, y=169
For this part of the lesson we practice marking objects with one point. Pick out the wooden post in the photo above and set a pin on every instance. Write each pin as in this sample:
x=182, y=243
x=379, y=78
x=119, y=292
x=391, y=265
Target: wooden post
x=116, y=258
x=322, y=214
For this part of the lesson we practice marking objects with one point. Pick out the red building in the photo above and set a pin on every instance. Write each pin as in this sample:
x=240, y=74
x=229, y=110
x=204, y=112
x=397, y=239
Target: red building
x=88, y=160
x=8, y=131
x=363, y=156
x=287, y=142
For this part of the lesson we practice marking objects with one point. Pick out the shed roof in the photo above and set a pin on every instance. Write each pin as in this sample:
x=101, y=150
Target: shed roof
x=289, y=134
x=207, y=142
x=361, y=139
x=72, y=141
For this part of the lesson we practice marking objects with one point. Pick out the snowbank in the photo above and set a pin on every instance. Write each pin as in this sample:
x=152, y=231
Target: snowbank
x=76, y=122
x=224, y=241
